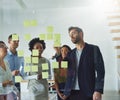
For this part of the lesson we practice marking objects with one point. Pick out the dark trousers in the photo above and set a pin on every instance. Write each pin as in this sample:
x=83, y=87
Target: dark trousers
x=78, y=95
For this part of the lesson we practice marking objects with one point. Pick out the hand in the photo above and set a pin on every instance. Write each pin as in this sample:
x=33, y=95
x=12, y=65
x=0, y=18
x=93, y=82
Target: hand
x=60, y=95
x=7, y=82
x=15, y=72
x=97, y=96
x=64, y=97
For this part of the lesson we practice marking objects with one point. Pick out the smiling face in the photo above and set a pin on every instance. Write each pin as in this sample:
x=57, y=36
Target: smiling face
x=64, y=52
x=39, y=47
x=3, y=50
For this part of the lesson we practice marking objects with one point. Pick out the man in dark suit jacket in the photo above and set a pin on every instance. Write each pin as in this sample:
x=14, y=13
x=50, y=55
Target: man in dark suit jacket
x=85, y=78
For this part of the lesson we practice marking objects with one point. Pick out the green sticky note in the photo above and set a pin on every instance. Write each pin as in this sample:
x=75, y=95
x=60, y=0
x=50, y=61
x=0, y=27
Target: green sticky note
x=50, y=29
x=34, y=68
x=42, y=36
x=27, y=37
x=27, y=23
x=27, y=59
x=57, y=36
x=35, y=52
x=57, y=44
x=35, y=60
x=45, y=66
x=49, y=36
x=64, y=64
x=44, y=75
x=34, y=22
x=18, y=79
x=26, y=68
x=57, y=40
x=20, y=53
x=15, y=37
x=55, y=65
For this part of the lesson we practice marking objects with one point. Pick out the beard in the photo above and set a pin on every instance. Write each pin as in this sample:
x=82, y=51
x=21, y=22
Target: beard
x=75, y=40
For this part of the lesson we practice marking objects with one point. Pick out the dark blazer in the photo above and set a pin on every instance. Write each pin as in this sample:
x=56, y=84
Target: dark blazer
x=90, y=71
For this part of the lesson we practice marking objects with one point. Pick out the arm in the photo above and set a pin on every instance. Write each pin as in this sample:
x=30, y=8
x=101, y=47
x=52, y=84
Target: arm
x=100, y=73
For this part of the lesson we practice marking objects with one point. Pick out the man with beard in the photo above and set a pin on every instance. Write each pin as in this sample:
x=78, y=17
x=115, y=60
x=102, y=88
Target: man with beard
x=12, y=57
x=85, y=78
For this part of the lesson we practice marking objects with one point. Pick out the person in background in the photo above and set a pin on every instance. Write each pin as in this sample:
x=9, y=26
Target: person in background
x=12, y=57
x=5, y=73
x=61, y=73
x=85, y=77
x=57, y=53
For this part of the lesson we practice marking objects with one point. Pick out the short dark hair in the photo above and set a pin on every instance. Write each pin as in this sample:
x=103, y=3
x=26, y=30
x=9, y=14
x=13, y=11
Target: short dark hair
x=66, y=47
x=2, y=42
x=10, y=36
x=34, y=41
x=76, y=28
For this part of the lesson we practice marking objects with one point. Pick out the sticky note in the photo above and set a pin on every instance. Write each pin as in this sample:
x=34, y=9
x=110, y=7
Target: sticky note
x=50, y=29
x=45, y=66
x=27, y=59
x=27, y=69
x=18, y=79
x=27, y=37
x=42, y=36
x=20, y=53
x=33, y=23
x=44, y=75
x=64, y=64
x=49, y=36
x=34, y=68
x=57, y=40
x=35, y=52
x=27, y=23
x=15, y=37
x=55, y=65
x=35, y=60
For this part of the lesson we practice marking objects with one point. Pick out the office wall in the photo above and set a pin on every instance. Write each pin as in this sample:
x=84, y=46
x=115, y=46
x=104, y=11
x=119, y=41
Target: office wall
x=93, y=22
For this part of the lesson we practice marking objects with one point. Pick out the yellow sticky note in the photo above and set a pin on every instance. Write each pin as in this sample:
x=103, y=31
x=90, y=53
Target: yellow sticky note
x=45, y=66
x=35, y=60
x=27, y=37
x=57, y=36
x=20, y=53
x=34, y=68
x=64, y=64
x=49, y=36
x=35, y=52
x=44, y=75
x=42, y=36
x=27, y=59
x=26, y=68
x=15, y=37
x=27, y=23
x=55, y=64
x=50, y=29
x=57, y=40
x=18, y=79
x=34, y=22
x=57, y=44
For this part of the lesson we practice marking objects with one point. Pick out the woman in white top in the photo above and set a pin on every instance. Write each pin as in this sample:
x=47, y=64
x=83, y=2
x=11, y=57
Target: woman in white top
x=5, y=73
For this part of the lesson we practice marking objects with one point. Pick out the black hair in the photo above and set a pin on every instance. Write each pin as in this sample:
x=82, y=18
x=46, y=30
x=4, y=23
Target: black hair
x=34, y=41
x=2, y=42
x=10, y=36
x=76, y=28
x=66, y=47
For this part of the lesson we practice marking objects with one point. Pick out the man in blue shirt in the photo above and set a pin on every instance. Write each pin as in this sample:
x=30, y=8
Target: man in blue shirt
x=16, y=63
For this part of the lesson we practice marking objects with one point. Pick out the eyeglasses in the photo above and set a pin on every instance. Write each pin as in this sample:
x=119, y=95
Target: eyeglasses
x=3, y=46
